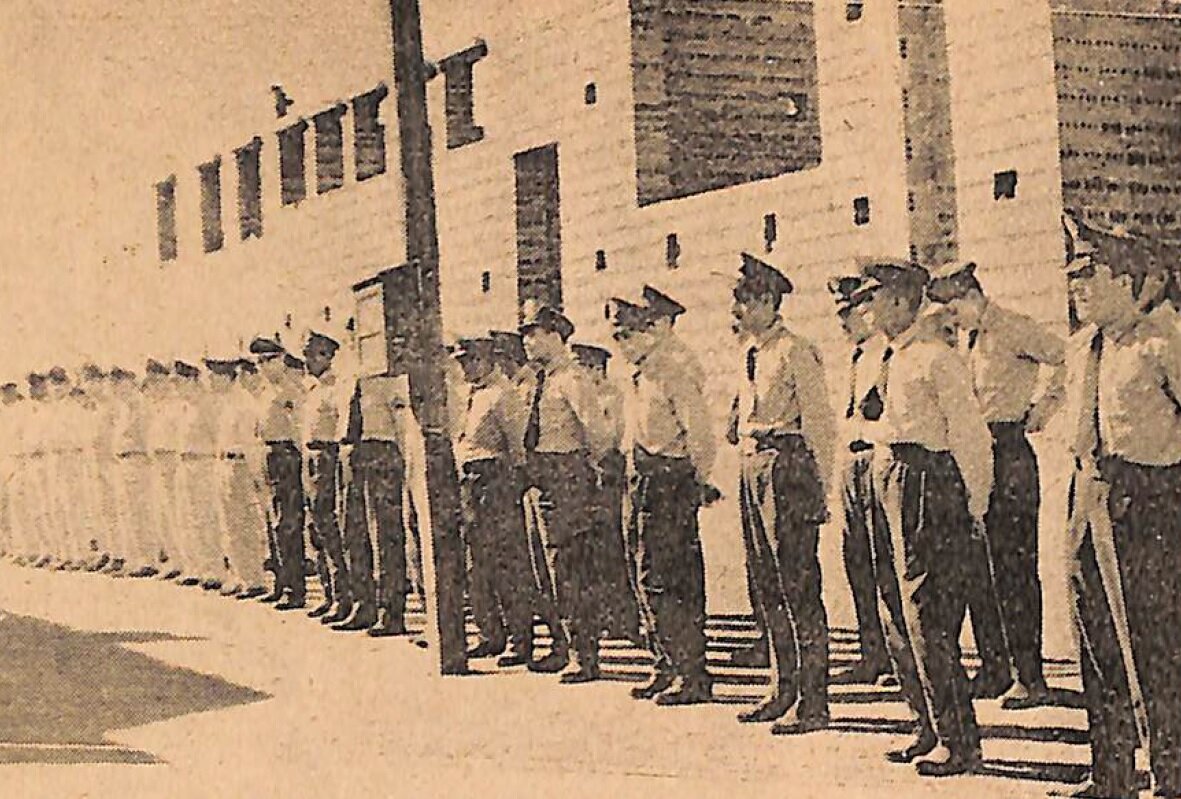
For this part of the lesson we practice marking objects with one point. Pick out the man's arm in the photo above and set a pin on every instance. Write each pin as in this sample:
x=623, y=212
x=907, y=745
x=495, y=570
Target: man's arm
x=694, y=415
x=817, y=422
x=967, y=432
x=1044, y=347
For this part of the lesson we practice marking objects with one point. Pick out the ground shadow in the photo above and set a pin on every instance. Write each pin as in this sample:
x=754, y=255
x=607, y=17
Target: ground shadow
x=63, y=690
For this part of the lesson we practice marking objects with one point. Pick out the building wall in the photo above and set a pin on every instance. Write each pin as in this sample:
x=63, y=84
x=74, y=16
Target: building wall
x=529, y=91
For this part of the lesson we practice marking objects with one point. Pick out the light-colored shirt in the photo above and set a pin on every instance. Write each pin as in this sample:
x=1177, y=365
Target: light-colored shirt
x=131, y=427
x=326, y=407
x=205, y=425
x=383, y=404
x=785, y=393
x=283, y=409
x=494, y=423
x=1140, y=394
x=169, y=417
x=1006, y=353
x=667, y=414
x=865, y=365
x=570, y=418
x=676, y=349
x=240, y=422
x=929, y=402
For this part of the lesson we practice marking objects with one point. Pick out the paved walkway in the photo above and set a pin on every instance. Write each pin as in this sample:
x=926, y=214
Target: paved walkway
x=127, y=688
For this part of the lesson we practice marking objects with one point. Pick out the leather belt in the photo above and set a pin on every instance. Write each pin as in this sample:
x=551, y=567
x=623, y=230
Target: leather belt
x=860, y=446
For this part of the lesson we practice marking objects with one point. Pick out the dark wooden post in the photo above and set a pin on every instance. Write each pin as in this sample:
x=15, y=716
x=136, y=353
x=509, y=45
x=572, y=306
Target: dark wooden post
x=428, y=388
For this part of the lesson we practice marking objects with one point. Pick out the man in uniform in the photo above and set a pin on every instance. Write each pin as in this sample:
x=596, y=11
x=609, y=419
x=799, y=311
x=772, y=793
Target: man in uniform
x=859, y=501
x=1128, y=452
x=326, y=408
x=1006, y=351
x=564, y=442
x=10, y=466
x=672, y=454
x=935, y=484
x=784, y=426
x=375, y=533
x=665, y=313
x=490, y=454
x=279, y=430
x=612, y=570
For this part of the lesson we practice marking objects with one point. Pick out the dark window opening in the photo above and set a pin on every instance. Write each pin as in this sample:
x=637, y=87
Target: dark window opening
x=854, y=11
x=539, y=228
x=459, y=100
x=672, y=251
x=903, y=48
x=861, y=211
x=600, y=260
x=485, y=282
x=212, y=236
x=329, y=149
x=770, y=231
x=591, y=94
x=249, y=189
x=166, y=218
x=293, y=183
x=369, y=133
x=1004, y=185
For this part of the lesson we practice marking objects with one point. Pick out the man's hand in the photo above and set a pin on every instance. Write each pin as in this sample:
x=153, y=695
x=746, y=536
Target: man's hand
x=1037, y=419
x=710, y=494
x=979, y=531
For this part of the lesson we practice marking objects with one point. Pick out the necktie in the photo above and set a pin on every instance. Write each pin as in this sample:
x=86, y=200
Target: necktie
x=751, y=359
x=973, y=337
x=533, y=428
x=1097, y=350
x=857, y=353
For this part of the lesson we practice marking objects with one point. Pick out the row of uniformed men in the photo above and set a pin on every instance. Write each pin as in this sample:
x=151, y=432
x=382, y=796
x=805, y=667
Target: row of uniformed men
x=200, y=478
x=940, y=502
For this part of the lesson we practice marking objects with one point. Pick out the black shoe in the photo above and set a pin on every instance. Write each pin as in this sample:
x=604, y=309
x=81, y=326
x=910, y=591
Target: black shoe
x=211, y=585
x=923, y=745
x=143, y=571
x=273, y=597
x=387, y=629
x=320, y=610
x=290, y=604
x=863, y=672
x=513, y=659
x=990, y=686
x=1021, y=697
x=579, y=675
x=360, y=621
x=550, y=664
x=343, y=611
x=101, y=563
x=942, y=762
x=252, y=592
x=1093, y=791
x=769, y=709
x=800, y=722
x=696, y=691
x=189, y=582
x=487, y=649
x=661, y=682
x=753, y=657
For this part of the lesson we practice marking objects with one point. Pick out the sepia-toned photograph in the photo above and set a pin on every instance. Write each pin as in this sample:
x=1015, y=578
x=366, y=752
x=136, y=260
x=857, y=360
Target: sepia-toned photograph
x=590, y=398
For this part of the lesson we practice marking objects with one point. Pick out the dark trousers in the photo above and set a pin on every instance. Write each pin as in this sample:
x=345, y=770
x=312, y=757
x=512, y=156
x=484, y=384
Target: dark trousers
x=1111, y=723
x=284, y=466
x=567, y=485
x=324, y=470
x=671, y=570
x=1006, y=600
x=613, y=569
x=499, y=550
x=1145, y=507
x=782, y=503
x=926, y=510
x=858, y=554
x=374, y=534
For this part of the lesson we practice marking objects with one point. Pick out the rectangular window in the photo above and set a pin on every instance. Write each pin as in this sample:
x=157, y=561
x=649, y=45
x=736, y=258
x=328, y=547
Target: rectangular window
x=293, y=182
x=770, y=231
x=724, y=93
x=457, y=72
x=1004, y=185
x=672, y=251
x=249, y=189
x=369, y=133
x=329, y=149
x=211, y=232
x=539, y=227
x=861, y=211
x=166, y=218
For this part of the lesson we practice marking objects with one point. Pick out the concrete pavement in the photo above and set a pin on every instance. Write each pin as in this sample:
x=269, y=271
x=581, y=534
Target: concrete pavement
x=117, y=688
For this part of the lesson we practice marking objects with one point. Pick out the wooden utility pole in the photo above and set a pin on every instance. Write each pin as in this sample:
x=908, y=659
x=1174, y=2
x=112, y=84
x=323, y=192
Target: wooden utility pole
x=445, y=607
